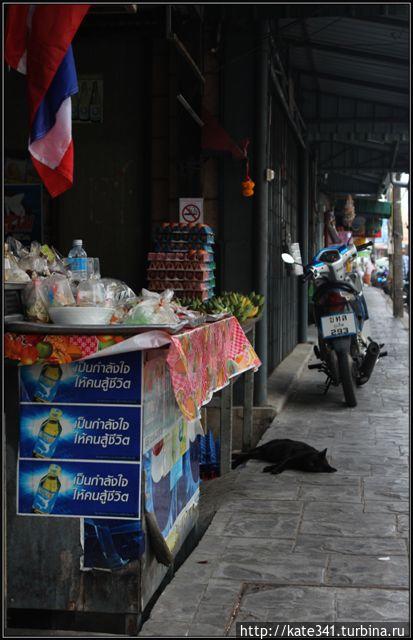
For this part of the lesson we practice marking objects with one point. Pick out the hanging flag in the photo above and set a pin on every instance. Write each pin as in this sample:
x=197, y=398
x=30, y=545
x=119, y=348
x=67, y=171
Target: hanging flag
x=38, y=44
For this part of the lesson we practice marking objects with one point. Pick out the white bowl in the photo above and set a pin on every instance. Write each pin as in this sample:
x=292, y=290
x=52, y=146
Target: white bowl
x=80, y=315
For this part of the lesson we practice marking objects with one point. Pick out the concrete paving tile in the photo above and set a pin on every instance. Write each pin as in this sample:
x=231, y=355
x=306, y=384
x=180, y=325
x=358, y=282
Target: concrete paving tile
x=291, y=604
x=376, y=506
x=256, y=551
x=324, y=510
x=267, y=492
x=201, y=630
x=263, y=506
x=285, y=569
x=216, y=616
x=350, y=546
x=335, y=492
x=375, y=489
x=329, y=479
x=221, y=592
x=360, y=605
x=169, y=628
x=390, y=471
x=347, y=524
x=403, y=525
x=272, y=525
x=367, y=572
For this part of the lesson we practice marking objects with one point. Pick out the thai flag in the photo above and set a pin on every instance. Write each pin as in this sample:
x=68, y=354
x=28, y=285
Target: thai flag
x=38, y=44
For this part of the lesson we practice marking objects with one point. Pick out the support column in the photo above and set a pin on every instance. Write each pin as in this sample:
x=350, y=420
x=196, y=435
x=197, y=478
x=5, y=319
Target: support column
x=397, y=286
x=260, y=227
x=303, y=234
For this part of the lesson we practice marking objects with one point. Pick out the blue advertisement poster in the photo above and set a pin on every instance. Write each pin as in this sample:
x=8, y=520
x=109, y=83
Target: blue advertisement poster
x=80, y=432
x=111, y=544
x=78, y=488
x=167, y=496
x=116, y=380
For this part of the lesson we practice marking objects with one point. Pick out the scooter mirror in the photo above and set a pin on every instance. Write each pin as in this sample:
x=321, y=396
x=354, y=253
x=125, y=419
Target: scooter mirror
x=285, y=257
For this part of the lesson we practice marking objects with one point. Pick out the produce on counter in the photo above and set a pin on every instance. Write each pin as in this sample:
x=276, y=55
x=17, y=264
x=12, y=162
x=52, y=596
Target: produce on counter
x=239, y=305
x=153, y=308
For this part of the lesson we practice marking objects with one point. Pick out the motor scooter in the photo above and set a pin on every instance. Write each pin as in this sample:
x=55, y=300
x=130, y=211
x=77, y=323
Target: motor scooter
x=340, y=310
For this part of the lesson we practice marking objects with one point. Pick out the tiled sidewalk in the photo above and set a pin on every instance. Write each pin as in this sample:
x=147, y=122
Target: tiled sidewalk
x=308, y=547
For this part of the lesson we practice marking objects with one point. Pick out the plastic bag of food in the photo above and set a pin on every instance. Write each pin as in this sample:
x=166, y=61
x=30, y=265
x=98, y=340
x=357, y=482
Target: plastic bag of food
x=33, y=261
x=54, y=260
x=55, y=291
x=90, y=293
x=35, y=310
x=12, y=272
x=17, y=248
x=117, y=293
x=153, y=308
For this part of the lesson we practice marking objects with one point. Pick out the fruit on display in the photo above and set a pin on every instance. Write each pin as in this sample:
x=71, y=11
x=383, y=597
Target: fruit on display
x=243, y=307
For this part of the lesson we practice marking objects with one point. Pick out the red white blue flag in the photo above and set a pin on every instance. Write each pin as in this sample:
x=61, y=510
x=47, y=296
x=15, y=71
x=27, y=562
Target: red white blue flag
x=38, y=44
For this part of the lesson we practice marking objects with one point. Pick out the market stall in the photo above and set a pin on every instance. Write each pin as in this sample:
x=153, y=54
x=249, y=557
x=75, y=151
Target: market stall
x=103, y=426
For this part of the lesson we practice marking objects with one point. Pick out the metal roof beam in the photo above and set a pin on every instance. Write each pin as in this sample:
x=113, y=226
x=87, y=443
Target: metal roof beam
x=357, y=119
x=342, y=96
x=354, y=167
x=352, y=53
x=352, y=142
x=357, y=177
x=355, y=81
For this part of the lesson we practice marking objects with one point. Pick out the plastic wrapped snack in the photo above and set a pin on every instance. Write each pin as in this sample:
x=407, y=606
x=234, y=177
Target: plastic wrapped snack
x=54, y=260
x=154, y=308
x=90, y=293
x=12, y=272
x=55, y=291
x=117, y=293
x=34, y=261
x=35, y=309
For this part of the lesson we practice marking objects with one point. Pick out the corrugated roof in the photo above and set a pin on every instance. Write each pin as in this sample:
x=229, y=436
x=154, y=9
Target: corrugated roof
x=353, y=79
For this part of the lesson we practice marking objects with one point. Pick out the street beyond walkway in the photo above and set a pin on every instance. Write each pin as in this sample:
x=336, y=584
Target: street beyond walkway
x=303, y=547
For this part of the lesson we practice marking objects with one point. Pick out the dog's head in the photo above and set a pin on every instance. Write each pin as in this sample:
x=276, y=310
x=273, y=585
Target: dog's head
x=317, y=463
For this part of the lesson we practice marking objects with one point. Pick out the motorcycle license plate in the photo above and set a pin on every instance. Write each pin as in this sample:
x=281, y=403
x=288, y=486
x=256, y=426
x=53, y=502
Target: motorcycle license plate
x=338, y=325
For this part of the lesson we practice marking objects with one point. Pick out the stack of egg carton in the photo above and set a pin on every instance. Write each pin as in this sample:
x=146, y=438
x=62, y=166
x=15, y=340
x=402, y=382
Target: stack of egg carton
x=183, y=260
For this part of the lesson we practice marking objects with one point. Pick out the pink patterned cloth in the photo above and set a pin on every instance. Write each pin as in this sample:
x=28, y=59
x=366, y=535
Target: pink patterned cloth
x=203, y=360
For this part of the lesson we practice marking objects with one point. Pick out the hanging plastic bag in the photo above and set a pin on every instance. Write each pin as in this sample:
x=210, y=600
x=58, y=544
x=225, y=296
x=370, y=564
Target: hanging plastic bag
x=153, y=308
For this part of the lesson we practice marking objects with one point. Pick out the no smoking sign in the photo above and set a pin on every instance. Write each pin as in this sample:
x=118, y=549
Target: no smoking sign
x=191, y=210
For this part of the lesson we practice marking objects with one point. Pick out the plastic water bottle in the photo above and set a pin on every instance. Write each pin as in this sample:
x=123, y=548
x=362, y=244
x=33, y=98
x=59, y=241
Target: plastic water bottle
x=78, y=261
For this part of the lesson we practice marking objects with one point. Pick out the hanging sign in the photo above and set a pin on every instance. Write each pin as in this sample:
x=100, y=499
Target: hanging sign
x=191, y=210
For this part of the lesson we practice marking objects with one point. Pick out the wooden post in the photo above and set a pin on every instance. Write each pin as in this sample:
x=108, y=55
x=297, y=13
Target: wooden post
x=247, y=421
x=226, y=429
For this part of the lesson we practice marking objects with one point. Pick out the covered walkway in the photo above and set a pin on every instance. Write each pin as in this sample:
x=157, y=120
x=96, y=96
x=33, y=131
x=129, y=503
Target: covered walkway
x=308, y=547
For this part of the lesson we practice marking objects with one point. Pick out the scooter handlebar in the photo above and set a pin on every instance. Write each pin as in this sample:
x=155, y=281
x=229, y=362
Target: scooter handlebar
x=306, y=276
x=361, y=247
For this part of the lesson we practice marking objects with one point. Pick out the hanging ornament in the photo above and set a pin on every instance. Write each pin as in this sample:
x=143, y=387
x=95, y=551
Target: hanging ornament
x=247, y=184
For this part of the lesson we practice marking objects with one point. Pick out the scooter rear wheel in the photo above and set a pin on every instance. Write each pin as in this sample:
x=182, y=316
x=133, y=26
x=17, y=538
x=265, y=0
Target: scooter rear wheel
x=345, y=369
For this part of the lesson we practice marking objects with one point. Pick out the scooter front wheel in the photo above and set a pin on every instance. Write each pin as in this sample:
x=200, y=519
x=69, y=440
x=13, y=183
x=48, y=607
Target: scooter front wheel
x=345, y=369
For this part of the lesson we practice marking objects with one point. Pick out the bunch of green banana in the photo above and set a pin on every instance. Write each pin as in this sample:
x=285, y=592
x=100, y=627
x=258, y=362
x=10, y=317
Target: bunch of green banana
x=191, y=303
x=257, y=300
x=239, y=305
x=215, y=306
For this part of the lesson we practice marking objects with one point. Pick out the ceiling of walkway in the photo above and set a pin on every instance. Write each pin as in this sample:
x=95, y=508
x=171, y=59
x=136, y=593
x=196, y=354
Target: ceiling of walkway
x=350, y=65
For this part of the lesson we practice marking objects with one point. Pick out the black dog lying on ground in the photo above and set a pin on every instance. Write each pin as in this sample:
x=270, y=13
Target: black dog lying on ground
x=287, y=454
